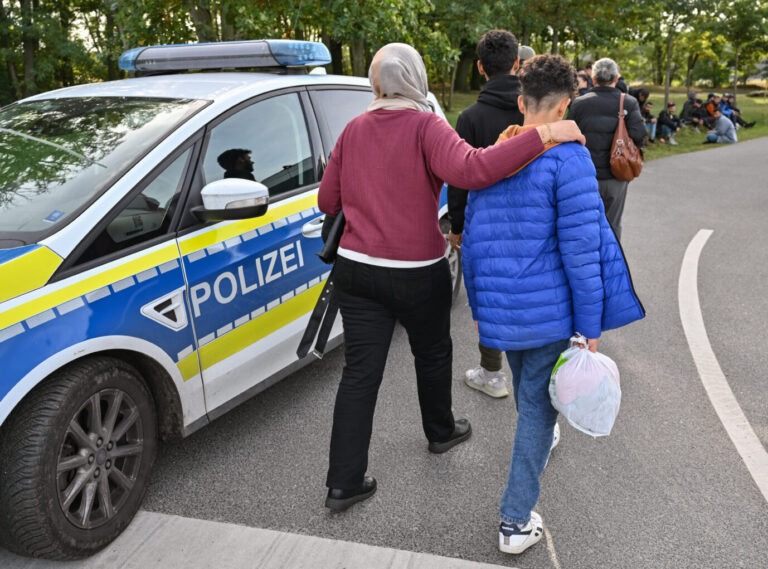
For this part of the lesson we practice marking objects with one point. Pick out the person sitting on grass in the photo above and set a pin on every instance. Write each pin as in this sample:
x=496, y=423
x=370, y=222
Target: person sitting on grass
x=650, y=120
x=724, y=131
x=712, y=104
x=540, y=263
x=688, y=106
x=669, y=123
x=698, y=116
x=733, y=112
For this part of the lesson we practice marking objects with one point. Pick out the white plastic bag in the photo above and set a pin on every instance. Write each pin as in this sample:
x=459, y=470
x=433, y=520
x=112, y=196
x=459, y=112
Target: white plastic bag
x=585, y=388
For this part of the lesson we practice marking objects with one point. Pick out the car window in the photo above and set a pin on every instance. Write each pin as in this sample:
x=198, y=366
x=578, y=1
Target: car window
x=148, y=215
x=57, y=155
x=339, y=106
x=267, y=142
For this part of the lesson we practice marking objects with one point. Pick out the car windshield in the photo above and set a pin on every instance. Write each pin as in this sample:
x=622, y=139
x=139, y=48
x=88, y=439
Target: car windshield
x=57, y=155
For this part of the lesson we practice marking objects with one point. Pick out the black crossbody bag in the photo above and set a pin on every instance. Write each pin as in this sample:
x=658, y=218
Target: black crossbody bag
x=324, y=315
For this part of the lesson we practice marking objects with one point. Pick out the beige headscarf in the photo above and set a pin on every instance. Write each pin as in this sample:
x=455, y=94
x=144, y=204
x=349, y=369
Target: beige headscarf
x=399, y=79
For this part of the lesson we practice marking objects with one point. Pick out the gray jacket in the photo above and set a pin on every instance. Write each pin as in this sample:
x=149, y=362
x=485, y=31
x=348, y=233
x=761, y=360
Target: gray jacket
x=725, y=131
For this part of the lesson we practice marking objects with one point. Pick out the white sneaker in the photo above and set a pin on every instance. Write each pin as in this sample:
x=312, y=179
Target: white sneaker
x=490, y=383
x=555, y=437
x=672, y=141
x=516, y=539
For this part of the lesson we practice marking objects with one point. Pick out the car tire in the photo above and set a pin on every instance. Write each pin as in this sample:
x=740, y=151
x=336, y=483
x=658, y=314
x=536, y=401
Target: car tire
x=454, y=258
x=75, y=459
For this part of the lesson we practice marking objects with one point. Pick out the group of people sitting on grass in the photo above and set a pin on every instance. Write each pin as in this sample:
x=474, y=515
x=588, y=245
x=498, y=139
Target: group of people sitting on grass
x=718, y=116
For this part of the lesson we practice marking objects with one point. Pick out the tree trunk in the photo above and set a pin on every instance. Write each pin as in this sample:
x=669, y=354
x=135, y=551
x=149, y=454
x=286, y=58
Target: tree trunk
x=463, y=69
x=368, y=58
x=526, y=36
x=475, y=80
x=5, y=44
x=113, y=72
x=29, y=44
x=556, y=41
x=337, y=55
x=658, y=55
x=202, y=20
x=692, y=60
x=454, y=67
x=668, y=74
x=357, y=55
x=227, y=23
x=735, y=73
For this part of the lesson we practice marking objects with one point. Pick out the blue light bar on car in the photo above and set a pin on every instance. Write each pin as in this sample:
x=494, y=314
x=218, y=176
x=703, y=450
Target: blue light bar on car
x=227, y=55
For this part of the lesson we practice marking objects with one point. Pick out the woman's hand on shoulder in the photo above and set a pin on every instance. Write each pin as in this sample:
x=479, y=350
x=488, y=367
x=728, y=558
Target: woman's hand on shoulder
x=561, y=131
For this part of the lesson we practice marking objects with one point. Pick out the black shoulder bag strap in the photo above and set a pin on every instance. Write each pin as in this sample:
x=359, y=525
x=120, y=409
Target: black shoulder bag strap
x=322, y=319
x=324, y=315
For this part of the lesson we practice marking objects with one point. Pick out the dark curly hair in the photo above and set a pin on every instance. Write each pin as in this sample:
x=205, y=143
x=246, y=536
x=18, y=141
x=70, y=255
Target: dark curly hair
x=545, y=80
x=497, y=50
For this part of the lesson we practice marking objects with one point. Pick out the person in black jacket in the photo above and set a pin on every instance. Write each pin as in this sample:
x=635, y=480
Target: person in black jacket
x=480, y=125
x=641, y=94
x=596, y=114
x=669, y=124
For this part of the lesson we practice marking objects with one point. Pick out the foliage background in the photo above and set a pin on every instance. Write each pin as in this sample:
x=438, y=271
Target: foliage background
x=46, y=44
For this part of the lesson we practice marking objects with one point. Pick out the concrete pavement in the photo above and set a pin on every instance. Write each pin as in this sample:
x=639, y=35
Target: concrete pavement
x=159, y=541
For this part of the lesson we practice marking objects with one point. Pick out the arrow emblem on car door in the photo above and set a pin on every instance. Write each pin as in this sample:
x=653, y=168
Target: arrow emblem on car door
x=168, y=310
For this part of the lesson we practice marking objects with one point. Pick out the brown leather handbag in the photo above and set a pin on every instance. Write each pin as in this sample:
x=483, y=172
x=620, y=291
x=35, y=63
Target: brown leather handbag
x=626, y=160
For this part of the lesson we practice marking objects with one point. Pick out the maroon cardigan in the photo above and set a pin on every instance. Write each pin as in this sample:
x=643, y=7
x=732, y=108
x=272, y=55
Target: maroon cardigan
x=387, y=171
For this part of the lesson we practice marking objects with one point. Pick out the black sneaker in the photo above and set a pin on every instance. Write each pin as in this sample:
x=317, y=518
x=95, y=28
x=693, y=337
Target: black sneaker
x=340, y=499
x=750, y=124
x=462, y=430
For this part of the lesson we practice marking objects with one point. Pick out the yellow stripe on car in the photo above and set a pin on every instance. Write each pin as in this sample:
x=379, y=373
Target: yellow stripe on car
x=258, y=328
x=27, y=272
x=224, y=232
x=48, y=301
x=189, y=367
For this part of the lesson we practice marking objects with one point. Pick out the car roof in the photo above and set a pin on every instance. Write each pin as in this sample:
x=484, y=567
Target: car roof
x=206, y=86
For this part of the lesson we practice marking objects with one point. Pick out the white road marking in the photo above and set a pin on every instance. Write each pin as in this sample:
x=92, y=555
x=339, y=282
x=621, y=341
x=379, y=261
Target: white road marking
x=551, y=548
x=715, y=383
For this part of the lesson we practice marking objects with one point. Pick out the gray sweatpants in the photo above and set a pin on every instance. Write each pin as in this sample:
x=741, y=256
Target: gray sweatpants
x=614, y=194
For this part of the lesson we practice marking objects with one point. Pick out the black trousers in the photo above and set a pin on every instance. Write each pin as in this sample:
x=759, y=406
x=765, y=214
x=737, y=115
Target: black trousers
x=371, y=299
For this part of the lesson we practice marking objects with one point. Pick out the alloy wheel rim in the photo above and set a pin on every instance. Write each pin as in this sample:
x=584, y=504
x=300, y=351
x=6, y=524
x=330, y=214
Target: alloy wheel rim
x=99, y=459
x=453, y=262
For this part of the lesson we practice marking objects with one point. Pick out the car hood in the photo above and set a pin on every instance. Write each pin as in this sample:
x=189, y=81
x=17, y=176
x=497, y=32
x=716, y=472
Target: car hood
x=23, y=269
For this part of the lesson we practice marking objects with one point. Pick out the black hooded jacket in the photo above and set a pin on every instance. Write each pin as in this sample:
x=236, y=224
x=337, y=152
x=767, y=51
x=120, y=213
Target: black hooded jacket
x=480, y=125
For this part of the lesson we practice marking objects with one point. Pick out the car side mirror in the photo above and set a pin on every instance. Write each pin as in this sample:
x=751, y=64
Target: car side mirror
x=232, y=198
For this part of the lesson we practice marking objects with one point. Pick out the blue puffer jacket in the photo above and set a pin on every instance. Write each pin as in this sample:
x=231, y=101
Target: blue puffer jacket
x=540, y=259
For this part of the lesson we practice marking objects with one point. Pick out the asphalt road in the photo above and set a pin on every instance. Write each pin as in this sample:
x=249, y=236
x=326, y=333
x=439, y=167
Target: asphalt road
x=666, y=489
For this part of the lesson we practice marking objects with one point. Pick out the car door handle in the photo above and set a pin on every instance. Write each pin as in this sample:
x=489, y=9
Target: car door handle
x=314, y=228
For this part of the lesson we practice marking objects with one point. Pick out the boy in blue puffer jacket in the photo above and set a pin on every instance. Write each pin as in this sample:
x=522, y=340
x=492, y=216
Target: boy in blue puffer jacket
x=541, y=263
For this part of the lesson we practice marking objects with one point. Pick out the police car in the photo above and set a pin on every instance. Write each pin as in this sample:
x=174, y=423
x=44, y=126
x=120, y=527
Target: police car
x=157, y=267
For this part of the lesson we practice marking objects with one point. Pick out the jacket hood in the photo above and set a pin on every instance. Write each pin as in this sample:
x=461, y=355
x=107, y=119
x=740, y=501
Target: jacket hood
x=23, y=269
x=501, y=91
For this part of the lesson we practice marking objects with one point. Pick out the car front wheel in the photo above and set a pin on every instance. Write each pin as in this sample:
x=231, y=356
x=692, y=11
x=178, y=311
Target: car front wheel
x=76, y=458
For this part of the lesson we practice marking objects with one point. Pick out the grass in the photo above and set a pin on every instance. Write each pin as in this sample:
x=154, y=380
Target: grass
x=752, y=109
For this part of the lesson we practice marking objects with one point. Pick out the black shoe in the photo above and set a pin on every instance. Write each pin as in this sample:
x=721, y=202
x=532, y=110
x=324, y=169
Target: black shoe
x=462, y=430
x=708, y=142
x=750, y=124
x=339, y=499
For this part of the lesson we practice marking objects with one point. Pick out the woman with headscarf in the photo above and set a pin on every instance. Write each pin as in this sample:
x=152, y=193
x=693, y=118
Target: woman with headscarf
x=386, y=172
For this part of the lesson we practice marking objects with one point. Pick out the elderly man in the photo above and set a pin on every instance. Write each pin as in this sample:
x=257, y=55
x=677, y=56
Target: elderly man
x=596, y=114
